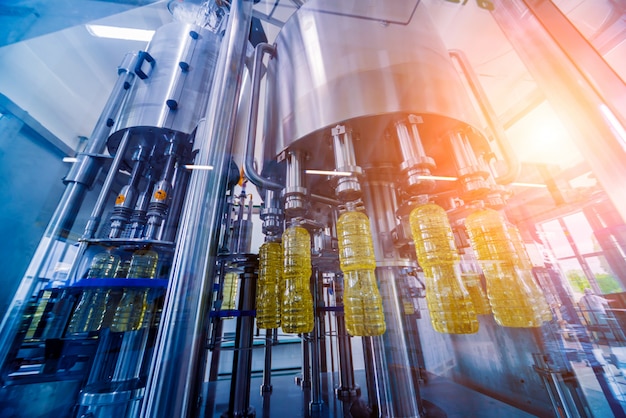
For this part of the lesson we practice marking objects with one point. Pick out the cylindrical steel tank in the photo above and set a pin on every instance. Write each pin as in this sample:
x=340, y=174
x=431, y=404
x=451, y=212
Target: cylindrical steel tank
x=174, y=80
x=350, y=63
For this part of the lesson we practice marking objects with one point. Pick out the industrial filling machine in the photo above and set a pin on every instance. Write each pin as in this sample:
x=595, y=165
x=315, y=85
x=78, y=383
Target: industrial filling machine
x=382, y=209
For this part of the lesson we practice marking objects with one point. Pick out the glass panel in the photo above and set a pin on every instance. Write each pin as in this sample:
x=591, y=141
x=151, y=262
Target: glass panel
x=601, y=23
x=581, y=232
x=607, y=281
x=555, y=238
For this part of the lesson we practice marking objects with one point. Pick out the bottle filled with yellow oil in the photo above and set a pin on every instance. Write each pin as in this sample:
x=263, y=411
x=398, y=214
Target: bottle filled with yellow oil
x=134, y=307
x=297, y=303
x=131, y=311
x=268, y=294
x=449, y=303
x=230, y=285
x=512, y=301
x=363, y=308
x=92, y=305
x=473, y=284
x=143, y=264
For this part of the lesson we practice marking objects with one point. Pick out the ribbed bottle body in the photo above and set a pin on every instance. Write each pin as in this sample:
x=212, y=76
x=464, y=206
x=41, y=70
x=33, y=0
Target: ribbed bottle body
x=363, y=308
x=449, y=303
x=103, y=265
x=511, y=300
x=230, y=286
x=92, y=305
x=268, y=294
x=362, y=304
x=471, y=281
x=297, y=303
x=89, y=312
x=143, y=264
x=131, y=311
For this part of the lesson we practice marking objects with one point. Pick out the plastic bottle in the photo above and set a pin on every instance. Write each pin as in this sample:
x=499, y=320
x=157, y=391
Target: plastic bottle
x=229, y=290
x=297, y=305
x=512, y=301
x=449, y=303
x=471, y=281
x=143, y=264
x=90, y=311
x=103, y=265
x=133, y=306
x=130, y=312
x=92, y=306
x=362, y=303
x=268, y=294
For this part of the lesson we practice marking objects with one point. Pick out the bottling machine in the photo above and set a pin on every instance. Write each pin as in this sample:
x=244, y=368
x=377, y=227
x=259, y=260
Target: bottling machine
x=382, y=190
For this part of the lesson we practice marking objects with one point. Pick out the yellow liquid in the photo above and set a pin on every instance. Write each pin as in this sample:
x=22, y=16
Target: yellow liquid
x=449, y=303
x=103, y=265
x=143, y=264
x=131, y=311
x=363, y=306
x=476, y=292
x=229, y=291
x=89, y=312
x=297, y=304
x=268, y=294
x=450, y=306
x=511, y=300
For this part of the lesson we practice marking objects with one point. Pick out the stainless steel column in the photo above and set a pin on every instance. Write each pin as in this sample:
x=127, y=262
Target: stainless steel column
x=390, y=354
x=174, y=383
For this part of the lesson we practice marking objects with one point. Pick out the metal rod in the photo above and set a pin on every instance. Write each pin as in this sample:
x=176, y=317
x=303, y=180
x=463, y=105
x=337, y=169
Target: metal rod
x=266, y=387
x=513, y=164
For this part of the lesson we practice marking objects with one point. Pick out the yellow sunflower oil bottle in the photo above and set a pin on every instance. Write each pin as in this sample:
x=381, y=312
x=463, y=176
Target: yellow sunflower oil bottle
x=297, y=303
x=363, y=308
x=268, y=294
x=449, y=303
x=512, y=301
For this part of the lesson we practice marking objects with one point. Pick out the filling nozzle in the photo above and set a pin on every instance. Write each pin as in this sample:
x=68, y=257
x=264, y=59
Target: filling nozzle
x=473, y=176
x=415, y=163
x=157, y=209
x=347, y=187
x=127, y=197
x=294, y=193
x=138, y=218
x=272, y=213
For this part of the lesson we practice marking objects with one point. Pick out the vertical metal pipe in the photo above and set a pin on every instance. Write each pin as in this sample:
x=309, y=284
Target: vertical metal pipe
x=266, y=387
x=380, y=202
x=83, y=172
x=316, y=395
x=177, y=369
x=239, y=404
x=347, y=386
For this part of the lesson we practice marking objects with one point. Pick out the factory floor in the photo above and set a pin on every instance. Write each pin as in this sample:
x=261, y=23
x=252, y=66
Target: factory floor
x=442, y=398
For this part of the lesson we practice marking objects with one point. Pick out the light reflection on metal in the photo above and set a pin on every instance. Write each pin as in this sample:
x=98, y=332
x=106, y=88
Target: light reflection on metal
x=198, y=167
x=328, y=173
